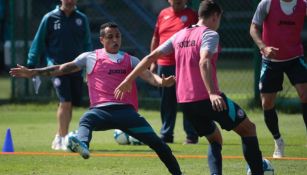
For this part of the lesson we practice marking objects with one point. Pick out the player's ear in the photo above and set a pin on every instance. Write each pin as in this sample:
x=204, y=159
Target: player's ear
x=101, y=39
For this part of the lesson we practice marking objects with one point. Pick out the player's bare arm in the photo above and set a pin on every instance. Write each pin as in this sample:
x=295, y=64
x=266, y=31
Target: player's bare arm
x=125, y=86
x=218, y=104
x=156, y=80
x=267, y=51
x=56, y=70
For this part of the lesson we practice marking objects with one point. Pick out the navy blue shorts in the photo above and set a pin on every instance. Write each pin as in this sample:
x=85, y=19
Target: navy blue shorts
x=202, y=115
x=123, y=117
x=272, y=74
x=69, y=88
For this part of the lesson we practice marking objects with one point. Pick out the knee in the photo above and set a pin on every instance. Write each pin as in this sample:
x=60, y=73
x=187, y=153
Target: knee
x=246, y=128
x=250, y=129
x=216, y=137
x=267, y=103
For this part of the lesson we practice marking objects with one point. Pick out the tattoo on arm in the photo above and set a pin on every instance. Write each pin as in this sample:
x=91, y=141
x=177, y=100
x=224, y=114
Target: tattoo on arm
x=69, y=68
x=47, y=71
x=57, y=70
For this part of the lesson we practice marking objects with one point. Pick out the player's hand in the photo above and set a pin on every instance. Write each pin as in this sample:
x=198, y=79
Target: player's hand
x=122, y=88
x=218, y=103
x=168, y=81
x=21, y=71
x=269, y=52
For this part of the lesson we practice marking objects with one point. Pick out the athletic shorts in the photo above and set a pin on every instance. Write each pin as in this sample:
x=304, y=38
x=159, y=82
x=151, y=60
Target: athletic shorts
x=68, y=88
x=123, y=117
x=272, y=74
x=203, y=117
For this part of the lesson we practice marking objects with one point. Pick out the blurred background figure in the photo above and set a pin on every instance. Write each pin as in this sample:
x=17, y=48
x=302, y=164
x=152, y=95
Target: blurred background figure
x=171, y=20
x=63, y=34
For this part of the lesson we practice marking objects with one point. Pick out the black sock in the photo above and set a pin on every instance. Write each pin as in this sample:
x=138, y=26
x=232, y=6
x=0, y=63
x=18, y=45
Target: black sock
x=271, y=121
x=215, y=158
x=252, y=154
x=304, y=106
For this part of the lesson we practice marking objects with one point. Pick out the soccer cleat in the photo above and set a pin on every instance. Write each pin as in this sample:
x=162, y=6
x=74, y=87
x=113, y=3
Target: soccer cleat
x=279, y=148
x=75, y=145
x=56, y=143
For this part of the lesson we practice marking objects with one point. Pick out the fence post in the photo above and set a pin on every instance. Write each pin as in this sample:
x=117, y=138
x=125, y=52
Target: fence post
x=12, y=38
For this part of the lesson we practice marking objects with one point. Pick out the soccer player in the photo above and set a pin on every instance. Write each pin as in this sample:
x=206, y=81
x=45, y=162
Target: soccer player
x=105, y=69
x=196, y=52
x=282, y=52
x=171, y=20
x=63, y=34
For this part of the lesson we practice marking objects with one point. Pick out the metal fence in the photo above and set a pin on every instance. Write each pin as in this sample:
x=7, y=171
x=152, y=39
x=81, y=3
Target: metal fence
x=238, y=65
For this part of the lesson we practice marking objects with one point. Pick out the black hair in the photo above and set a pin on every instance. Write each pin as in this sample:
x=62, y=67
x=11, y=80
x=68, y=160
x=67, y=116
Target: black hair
x=208, y=8
x=105, y=25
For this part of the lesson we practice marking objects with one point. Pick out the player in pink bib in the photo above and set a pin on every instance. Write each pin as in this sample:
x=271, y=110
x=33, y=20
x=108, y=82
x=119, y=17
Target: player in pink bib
x=106, y=68
x=196, y=52
x=282, y=52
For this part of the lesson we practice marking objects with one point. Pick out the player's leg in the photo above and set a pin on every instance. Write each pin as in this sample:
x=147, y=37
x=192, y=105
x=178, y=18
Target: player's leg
x=271, y=80
x=214, y=152
x=234, y=118
x=270, y=114
x=168, y=106
x=64, y=114
x=95, y=119
x=302, y=92
x=135, y=125
x=199, y=116
x=297, y=74
x=250, y=145
x=64, y=111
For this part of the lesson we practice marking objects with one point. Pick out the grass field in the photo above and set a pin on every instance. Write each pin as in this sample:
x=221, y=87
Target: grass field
x=33, y=126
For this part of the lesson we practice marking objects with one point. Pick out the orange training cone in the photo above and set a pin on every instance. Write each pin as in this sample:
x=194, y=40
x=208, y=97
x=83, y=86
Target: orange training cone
x=8, y=142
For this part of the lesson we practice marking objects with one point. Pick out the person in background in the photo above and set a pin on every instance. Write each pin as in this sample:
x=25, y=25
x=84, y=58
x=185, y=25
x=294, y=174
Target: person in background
x=282, y=52
x=106, y=68
x=171, y=20
x=196, y=52
x=62, y=35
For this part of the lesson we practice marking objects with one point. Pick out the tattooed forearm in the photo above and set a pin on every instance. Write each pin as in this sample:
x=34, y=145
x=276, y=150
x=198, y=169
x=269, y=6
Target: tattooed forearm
x=47, y=71
x=69, y=68
x=57, y=70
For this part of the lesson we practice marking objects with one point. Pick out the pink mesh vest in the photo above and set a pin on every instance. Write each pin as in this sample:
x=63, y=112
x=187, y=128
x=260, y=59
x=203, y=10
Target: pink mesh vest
x=284, y=31
x=190, y=86
x=106, y=76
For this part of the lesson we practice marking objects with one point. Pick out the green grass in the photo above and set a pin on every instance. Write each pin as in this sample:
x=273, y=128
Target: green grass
x=33, y=127
x=5, y=87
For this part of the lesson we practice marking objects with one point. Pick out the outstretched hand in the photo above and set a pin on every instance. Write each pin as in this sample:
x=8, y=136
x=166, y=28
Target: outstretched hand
x=168, y=81
x=121, y=89
x=21, y=71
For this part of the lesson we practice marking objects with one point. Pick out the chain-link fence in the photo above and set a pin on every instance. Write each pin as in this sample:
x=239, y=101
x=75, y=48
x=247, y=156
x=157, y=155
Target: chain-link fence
x=238, y=65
